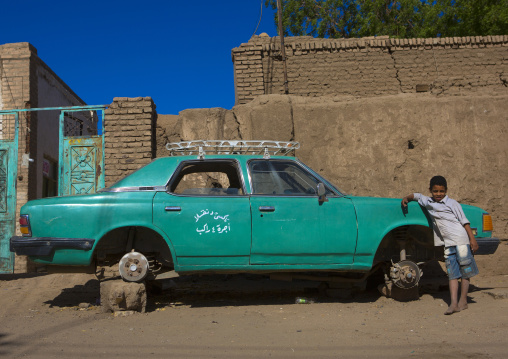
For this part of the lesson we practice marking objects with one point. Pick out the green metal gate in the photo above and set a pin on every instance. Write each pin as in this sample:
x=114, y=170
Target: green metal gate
x=9, y=128
x=80, y=163
x=81, y=158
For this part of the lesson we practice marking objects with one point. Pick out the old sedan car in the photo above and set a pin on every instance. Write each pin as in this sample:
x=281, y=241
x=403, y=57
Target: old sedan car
x=247, y=208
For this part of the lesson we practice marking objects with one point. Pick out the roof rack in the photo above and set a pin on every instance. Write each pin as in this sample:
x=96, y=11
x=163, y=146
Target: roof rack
x=227, y=147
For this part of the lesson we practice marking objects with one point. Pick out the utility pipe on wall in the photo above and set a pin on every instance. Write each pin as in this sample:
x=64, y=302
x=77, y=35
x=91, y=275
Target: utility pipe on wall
x=282, y=48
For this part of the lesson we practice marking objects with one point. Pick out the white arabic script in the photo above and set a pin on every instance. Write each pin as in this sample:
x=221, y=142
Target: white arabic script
x=211, y=219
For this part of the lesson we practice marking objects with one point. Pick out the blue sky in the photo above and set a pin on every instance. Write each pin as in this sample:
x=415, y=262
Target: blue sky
x=177, y=52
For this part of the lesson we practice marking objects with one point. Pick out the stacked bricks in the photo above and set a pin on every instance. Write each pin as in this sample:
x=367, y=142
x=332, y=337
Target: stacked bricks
x=370, y=66
x=248, y=70
x=129, y=136
x=19, y=91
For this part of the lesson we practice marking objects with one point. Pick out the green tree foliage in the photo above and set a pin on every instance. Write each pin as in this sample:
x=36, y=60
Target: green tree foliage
x=401, y=19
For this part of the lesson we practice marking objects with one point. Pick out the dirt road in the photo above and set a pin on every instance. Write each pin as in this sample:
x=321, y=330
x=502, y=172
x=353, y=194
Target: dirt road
x=253, y=317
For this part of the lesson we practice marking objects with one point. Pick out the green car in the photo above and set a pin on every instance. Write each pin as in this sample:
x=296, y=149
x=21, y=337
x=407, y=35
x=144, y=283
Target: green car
x=249, y=207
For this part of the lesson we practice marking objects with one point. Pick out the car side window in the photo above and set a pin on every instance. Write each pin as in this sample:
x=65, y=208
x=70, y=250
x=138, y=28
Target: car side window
x=274, y=177
x=207, y=178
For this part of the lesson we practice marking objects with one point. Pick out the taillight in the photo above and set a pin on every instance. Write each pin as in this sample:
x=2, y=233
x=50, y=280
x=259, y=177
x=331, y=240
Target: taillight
x=24, y=225
x=487, y=223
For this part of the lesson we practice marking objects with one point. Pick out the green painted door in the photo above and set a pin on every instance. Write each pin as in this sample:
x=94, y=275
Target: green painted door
x=296, y=230
x=206, y=214
x=290, y=225
x=8, y=174
x=83, y=168
x=205, y=230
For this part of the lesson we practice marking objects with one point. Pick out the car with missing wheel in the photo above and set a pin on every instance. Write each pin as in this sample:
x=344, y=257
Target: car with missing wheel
x=234, y=207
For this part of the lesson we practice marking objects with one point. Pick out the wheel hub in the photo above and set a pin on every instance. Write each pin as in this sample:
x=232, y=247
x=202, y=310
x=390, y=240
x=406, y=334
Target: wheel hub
x=133, y=267
x=405, y=274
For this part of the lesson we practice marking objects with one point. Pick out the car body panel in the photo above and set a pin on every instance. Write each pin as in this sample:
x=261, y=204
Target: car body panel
x=204, y=229
x=156, y=173
x=91, y=216
x=471, y=213
x=376, y=218
x=301, y=230
x=230, y=233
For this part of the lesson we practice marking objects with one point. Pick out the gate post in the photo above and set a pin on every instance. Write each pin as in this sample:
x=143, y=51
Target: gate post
x=129, y=127
x=8, y=178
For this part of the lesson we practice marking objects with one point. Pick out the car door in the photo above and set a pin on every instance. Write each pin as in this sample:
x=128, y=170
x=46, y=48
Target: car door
x=290, y=226
x=206, y=214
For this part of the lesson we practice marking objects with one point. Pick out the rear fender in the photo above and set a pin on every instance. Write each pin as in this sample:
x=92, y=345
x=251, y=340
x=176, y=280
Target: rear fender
x=142, y=224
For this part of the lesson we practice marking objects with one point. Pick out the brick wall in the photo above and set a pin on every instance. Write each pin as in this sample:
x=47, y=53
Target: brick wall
x=370, y=66
x=17, y=76
x=128, y=127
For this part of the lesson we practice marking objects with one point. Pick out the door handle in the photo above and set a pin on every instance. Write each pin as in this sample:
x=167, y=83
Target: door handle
x=173, y=209
x=266, y=208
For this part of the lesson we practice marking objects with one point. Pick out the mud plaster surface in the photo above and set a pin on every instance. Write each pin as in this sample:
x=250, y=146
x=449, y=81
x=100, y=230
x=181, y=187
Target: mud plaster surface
x=386, y=146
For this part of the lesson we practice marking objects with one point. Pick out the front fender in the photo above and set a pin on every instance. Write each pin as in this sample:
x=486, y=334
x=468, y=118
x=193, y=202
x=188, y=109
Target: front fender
x=376, y=218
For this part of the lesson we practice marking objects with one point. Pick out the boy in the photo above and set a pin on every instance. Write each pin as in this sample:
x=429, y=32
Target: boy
x=451, y=230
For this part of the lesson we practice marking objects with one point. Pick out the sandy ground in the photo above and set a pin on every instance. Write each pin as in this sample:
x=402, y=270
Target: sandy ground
x=251, y=317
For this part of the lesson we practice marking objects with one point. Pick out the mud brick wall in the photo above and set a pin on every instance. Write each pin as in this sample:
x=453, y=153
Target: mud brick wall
x=18, y=81
x=129, y=144
x=370, y=66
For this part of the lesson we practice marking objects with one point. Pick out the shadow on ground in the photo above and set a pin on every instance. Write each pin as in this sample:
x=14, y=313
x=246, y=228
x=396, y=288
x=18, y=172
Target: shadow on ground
x=245, y=290
x=72, y=297
x=11, y=277
x=5, y=344
x=434, y=282
x=248, y=290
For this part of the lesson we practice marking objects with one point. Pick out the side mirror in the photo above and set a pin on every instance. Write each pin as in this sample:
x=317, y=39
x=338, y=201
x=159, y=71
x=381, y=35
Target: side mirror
x=321, y=192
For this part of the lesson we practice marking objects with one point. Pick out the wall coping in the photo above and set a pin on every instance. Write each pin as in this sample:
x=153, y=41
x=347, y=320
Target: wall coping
x=265, y=43
x=17, y=47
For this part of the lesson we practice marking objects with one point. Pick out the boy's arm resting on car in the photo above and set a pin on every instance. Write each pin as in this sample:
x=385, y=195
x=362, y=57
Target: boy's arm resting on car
x=410, y=197
x=472, y=240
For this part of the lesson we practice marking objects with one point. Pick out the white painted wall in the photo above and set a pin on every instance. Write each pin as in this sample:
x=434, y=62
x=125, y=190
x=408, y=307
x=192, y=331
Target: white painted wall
x=51, y=93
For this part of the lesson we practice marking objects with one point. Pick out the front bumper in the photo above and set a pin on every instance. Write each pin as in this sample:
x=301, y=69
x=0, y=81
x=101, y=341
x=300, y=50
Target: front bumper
x=45, y=246
x=487, y=245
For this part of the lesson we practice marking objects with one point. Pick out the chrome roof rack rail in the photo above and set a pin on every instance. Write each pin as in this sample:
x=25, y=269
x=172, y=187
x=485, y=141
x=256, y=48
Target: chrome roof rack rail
x=229, y=147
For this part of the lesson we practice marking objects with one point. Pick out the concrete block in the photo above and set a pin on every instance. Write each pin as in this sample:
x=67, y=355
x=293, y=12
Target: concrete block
x=117, y=295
